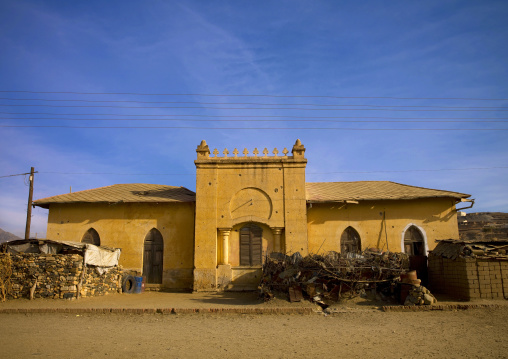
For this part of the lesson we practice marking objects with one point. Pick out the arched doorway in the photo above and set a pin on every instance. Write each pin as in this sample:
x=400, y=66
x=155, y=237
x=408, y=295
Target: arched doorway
x=251, y=240
x=91, y=237
x=350, y=241
x=414, y=245
x=153, y=256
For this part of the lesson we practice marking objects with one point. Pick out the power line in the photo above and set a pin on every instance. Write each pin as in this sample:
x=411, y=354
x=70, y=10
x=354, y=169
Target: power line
x=264, y=120
x=248, y=103
x=257, y=128
x=251, y=116
x=255, y=108
x=257, y=95
x=308, y=173
x=120, y=174
x=19, y=174
x=402, y=171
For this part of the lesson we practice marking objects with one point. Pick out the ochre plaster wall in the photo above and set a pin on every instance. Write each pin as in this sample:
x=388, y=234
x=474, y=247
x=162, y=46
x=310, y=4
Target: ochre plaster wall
x=436, y=218
x=126, y=225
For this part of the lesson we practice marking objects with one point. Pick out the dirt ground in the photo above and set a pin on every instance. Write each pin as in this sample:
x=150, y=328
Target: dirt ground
x=367, y=333
x=356, y=328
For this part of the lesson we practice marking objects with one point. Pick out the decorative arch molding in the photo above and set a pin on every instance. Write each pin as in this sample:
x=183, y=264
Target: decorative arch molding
x=422, y=232
x=250, y=201
x=91, y=236
x=250, y=219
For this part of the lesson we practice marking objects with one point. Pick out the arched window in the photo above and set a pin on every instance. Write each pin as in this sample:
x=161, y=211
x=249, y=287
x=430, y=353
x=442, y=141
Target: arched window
x=350, y=241
x=251, y=245
x=153, y=257
x=91, y=237
x=413, y=242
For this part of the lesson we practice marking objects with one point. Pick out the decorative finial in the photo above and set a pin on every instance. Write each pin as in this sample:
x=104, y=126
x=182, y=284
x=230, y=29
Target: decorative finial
x=285, y=151
x=215, y=152
x=265, y=152
x=298, y=150
x=255, y=152
x=275, y=151
x=235, y=152
x=225, y=152
x=203, y=151
x=245, y=152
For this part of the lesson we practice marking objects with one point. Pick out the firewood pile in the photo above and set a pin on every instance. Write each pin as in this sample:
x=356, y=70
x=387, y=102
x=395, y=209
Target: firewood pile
x=330, y=277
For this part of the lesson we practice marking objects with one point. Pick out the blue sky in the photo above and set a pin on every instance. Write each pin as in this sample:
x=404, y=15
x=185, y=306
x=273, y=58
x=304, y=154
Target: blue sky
x=441, y=63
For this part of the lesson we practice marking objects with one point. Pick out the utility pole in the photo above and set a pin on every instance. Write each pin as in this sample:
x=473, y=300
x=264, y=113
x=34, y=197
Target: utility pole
x=29, y=209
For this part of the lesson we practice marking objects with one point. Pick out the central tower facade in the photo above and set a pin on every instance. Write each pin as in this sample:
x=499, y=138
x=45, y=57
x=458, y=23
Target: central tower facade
x=246, y=206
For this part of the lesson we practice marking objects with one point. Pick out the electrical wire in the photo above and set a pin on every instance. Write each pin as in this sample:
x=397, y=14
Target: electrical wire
x=254, y=108
x=255, y=95
x=307, y=173
x=19, y=174
x=256, y=128
x=251, y=116
x=250, y=120
x=246, y=103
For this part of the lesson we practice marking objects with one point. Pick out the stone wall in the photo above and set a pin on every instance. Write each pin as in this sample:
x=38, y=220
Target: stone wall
x=469, y=278
x=58, y=276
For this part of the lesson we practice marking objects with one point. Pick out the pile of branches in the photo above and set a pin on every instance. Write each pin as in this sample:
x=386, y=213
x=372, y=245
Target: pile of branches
x=327, y=277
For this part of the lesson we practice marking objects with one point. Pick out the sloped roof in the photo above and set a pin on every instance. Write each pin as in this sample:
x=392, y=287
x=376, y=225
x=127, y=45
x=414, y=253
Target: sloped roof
x=371, y=190
x=128, y=193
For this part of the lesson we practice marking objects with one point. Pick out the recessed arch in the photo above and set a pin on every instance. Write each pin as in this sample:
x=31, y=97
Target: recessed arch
x=153, y=256
x=350, y=241
x=91, y=237
x=414, y=240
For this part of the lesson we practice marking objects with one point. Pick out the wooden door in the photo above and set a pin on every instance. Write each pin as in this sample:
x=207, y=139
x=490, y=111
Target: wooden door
x=153, y=257
x=251, y=250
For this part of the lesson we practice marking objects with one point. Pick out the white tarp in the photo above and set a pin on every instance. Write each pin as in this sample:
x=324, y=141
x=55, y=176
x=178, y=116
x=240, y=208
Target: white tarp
x=101, y=257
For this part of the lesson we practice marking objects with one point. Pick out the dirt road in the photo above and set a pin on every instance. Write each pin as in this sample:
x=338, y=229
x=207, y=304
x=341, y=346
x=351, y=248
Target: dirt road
x=357, y=334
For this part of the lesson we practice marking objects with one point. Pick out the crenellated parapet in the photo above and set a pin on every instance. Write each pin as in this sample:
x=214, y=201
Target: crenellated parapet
x=203, y=153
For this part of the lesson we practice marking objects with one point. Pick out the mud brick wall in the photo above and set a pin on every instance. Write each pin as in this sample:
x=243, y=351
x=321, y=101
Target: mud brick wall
x=469, y=278
x=58, y=276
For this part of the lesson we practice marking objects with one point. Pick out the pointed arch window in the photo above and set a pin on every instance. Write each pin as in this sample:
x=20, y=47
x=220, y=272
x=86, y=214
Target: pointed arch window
x=251, y=245
x=153, y=256
x=413, y=242
x=91, y=237
x=350, y=241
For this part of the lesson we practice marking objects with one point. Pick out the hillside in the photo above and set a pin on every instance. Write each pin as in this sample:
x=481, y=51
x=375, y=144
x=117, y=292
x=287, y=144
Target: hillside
x=7, y=236
x=483, y=226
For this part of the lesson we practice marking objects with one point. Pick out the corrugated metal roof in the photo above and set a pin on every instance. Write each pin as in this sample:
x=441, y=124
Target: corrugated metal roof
x=128, y=193
x=371, y=190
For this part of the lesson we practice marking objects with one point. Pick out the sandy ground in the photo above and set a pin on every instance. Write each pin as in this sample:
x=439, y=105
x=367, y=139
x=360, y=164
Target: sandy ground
x=479, y=333
x=357, y=329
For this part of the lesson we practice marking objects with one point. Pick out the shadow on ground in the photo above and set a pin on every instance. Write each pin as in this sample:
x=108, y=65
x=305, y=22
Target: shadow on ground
x=230, y=298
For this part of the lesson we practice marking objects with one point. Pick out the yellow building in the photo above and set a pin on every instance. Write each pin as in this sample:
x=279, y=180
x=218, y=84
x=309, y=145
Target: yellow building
x=245, y=207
